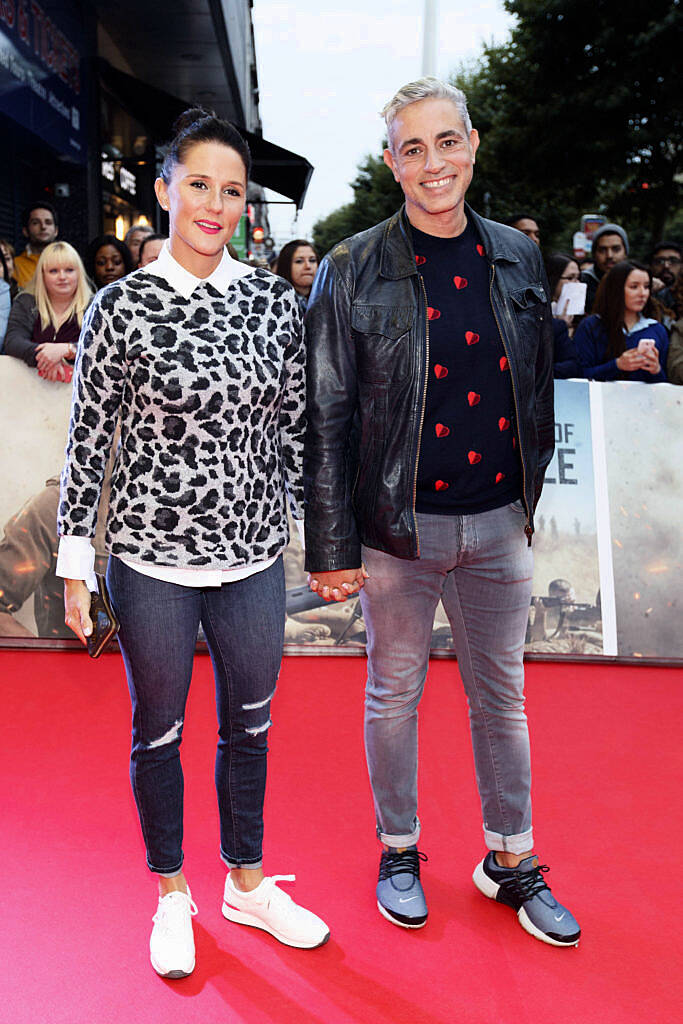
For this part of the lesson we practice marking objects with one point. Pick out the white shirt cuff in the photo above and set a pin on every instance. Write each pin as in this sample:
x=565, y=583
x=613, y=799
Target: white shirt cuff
x=76, y=561
x=299, y=523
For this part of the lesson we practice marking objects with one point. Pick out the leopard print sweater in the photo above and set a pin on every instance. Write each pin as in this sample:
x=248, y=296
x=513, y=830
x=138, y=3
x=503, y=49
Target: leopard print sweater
x=210, y=391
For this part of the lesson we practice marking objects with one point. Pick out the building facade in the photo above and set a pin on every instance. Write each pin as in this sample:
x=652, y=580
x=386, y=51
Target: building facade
x=88, y=96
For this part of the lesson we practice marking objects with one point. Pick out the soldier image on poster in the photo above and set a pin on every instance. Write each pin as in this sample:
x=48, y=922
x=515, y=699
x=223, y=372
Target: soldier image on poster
x=28, y=559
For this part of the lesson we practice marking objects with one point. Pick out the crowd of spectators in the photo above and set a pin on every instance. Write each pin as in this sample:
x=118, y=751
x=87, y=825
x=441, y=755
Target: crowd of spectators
x=630, y=322
x=626, y=322
x=46, y=288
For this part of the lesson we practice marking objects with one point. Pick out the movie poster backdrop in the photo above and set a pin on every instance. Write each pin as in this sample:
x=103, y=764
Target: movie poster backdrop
x=607, y=545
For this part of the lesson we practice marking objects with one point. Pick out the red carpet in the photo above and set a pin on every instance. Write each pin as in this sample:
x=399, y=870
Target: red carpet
x=78, y=900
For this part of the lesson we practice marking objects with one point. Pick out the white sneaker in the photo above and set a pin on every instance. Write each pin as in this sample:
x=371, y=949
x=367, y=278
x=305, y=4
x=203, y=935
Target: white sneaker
x=271, y=909
x=171, y=944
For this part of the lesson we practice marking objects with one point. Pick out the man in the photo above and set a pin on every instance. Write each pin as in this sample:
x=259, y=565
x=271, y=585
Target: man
x=40, y=228
x=665, y=267
x=430, y=427
x=610, y=246
x=525, y=223
x=133, y=239
x=149, y=248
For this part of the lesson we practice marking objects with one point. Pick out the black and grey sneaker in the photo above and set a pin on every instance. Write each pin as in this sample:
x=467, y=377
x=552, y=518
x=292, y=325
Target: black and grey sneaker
x=524, y=889
x=400, y=897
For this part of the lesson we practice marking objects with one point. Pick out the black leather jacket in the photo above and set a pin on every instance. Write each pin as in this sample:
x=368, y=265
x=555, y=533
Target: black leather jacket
x=368, y=354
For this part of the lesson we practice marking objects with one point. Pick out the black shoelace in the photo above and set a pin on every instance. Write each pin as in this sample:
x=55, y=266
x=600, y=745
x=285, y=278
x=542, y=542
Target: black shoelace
x=524, y=884
x=393, y=863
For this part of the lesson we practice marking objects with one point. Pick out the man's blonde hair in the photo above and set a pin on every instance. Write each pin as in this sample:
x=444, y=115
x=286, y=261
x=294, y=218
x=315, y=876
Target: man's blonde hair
x=425, y=89
x=60, y=254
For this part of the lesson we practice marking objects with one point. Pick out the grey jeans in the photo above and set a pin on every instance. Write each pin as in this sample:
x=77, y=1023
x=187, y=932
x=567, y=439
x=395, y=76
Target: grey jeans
x=480, y=566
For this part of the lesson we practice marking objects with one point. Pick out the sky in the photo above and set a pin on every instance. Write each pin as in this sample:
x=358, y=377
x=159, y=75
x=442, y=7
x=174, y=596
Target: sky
x=325, y=74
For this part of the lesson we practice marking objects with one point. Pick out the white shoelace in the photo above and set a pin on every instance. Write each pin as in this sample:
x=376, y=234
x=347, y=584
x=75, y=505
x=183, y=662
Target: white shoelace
x=171, y=911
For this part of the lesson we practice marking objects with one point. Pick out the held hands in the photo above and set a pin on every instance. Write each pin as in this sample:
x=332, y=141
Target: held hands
x=633, y=359
x=49, y=361
x=77, y=609
x=338, y=585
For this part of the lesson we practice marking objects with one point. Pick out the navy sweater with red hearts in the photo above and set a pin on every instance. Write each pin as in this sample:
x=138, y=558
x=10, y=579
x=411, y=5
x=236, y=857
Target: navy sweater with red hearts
x=468, y=453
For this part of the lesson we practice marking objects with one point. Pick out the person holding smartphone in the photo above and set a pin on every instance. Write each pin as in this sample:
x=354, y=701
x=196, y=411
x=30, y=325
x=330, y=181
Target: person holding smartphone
x=624, y=339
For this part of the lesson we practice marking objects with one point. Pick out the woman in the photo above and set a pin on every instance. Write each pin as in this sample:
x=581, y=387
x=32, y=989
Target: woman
x=562, y=269
x=203, y=358
x=45, y=320
x=298, y=264
x=108, y=259
x=7, y=266
x=623, y=339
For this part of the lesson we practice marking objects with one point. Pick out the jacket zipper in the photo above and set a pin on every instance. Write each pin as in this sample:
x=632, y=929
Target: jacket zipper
x=422, y=414
x=527, y=529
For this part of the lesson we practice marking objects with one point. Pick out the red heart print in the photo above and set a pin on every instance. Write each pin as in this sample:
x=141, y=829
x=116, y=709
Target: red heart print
x=442, y=430
x=480, y=249
x=433, y=314
x=441, y=485
x=473, y=398
x=420, y=260
x=499, y=477
x=514, y=442
x=503, y=424
x=471, y=337
x=441, y=371
x=474, y=458
x=460, y=282
x=503, y=363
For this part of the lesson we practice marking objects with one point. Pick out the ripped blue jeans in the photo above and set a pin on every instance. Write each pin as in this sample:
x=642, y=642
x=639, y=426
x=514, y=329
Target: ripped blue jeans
x=244, y=626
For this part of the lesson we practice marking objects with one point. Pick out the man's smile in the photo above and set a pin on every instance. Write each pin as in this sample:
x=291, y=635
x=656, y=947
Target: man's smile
x=439, y=183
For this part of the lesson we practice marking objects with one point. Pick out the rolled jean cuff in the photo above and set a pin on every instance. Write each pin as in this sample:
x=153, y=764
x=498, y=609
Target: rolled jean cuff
x=168, y=872
x=241, y=865
x=400, y=842
x=509, y=844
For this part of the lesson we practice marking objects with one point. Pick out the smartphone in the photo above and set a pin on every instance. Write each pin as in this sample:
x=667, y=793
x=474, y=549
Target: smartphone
x=646, y=346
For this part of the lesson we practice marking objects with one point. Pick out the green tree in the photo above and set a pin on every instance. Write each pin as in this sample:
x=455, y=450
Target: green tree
x=578, y=112
x=375, y=197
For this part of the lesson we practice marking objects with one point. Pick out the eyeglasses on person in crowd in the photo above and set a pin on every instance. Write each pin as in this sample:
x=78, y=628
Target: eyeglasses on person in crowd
x=670, y=261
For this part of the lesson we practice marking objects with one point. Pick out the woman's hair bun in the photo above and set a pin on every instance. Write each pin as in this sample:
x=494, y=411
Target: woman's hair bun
x=199, y=125
x=190, y=117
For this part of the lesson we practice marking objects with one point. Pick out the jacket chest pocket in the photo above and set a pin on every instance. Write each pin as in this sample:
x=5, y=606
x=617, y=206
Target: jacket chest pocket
x=382, y=339
x=529, y=311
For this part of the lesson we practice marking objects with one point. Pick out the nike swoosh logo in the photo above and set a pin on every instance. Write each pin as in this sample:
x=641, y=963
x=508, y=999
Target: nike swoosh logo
x=558, y=918
x=401, y=900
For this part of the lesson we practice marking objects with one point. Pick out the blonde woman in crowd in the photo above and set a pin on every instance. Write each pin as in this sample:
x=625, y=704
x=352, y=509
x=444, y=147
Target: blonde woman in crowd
x=45, y=320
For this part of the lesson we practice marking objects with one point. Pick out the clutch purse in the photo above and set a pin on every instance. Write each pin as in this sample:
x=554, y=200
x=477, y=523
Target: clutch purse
x=105, y=625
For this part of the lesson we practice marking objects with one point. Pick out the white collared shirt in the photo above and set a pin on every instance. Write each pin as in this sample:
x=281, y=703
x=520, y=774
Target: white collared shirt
x=76, y=555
